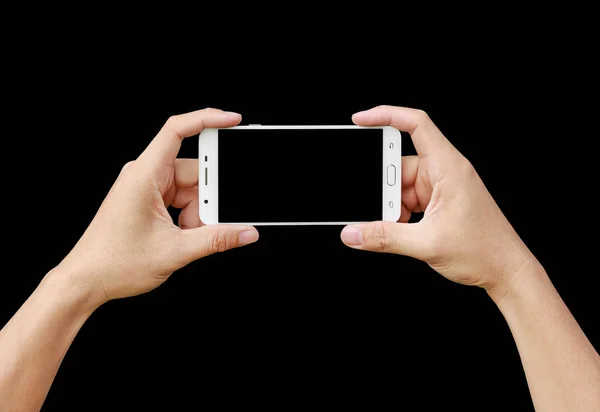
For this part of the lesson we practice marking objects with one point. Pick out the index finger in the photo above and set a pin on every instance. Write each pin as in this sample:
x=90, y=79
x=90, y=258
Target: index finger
x=186, y=172
x=425, y=135
x=164, y=147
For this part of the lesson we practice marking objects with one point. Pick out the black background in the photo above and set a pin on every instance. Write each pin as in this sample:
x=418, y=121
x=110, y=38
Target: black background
x=300, y=175
x=296, y=319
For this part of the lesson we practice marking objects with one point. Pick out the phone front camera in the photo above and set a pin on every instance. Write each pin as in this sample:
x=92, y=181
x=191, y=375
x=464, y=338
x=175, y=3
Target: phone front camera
x=205, y=201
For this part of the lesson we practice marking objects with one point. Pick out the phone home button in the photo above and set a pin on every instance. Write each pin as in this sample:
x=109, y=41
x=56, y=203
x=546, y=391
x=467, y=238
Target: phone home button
x=391, y=175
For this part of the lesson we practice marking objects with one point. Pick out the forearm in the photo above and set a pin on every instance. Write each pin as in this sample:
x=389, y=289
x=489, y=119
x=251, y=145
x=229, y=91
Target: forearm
x=34, y=342
x=561, y=365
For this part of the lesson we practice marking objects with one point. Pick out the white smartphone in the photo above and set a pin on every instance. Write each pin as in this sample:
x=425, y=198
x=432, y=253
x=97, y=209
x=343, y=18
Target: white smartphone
x=299, y=175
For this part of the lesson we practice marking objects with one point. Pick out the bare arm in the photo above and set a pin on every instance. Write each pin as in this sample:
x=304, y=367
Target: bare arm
x=561, y=365
x=465, y=237
x=34, y=342
x=131, y=247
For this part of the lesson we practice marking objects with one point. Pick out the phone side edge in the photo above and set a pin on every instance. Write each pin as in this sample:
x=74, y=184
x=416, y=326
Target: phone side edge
x=392, y=156
x=208, y=176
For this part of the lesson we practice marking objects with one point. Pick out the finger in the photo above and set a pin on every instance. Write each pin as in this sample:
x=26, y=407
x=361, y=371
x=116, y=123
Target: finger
x=184, y=196
x=189, y=217
x=410, y=199
x=400, y=238
x=206, y=240
x=164, y=147
x=410, y=168
x=169, y=196
x=186, y=172
x=404, y=213
x=425, y=135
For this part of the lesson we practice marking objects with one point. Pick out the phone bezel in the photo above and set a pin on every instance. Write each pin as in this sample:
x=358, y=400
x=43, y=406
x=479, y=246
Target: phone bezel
x=208, y=173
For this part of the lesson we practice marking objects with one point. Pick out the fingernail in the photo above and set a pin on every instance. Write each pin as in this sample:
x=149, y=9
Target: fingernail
x=247, y=236
x=352, y=235
x=233, y=113
x=359, y=113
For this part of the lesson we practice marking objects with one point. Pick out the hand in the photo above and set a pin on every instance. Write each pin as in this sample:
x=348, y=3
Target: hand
x=463, y=235
x=132, y=245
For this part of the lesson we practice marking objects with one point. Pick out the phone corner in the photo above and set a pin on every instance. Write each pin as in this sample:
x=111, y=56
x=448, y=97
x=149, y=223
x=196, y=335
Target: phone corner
x=393, y=215
x=206, y=220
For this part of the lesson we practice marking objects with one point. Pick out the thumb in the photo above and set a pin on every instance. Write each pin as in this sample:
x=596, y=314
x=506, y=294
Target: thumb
x=391, y=237
x=206, y=240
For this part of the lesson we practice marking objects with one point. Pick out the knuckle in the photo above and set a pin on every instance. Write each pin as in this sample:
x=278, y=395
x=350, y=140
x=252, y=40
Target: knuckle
x=220, y=242
x=465, y=167
x=210, y=110
x=378, y=237
x=172, y=126
x=422, y=115
x=127, y=165
x=125, y=168
x=171, y=122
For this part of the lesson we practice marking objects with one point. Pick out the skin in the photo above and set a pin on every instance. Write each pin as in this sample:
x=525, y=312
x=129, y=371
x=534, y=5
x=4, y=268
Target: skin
x=464, y=236
x=132, y=246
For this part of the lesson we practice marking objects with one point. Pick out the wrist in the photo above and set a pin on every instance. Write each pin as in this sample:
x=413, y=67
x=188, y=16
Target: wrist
x=516, y=278
x=68, y=285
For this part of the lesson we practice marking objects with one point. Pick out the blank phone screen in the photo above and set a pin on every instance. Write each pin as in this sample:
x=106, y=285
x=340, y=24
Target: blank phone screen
x=300, y=175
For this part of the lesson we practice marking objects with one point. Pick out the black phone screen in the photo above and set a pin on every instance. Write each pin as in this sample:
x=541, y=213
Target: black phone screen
x=300, y=175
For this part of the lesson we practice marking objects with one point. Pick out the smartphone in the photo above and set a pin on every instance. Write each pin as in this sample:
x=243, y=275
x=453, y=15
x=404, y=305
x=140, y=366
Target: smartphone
x=299, y=175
